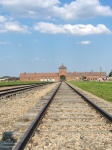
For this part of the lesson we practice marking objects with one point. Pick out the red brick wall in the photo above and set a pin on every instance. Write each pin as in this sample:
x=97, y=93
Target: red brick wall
x=38, y=76
x=56, y=76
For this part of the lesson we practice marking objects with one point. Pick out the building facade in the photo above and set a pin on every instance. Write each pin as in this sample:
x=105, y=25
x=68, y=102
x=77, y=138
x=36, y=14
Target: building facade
x=62, y=75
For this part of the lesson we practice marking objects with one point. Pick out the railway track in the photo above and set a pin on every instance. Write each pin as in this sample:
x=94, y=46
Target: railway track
x=6, y=93
x=14, y=108
x=68, y=123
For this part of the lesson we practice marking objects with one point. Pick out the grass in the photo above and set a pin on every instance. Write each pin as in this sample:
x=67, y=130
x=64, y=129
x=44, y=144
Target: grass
x=13, y=83
x=100, y=89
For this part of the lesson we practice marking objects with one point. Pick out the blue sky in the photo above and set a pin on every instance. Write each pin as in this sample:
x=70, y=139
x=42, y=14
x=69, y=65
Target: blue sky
x=40, y=35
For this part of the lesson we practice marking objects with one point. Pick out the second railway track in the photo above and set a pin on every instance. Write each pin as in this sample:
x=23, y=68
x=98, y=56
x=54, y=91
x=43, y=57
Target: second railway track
x=69, y=123
x=6, y=93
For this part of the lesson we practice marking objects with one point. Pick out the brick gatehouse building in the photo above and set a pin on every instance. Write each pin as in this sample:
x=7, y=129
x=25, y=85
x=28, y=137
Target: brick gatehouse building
x=62, y=75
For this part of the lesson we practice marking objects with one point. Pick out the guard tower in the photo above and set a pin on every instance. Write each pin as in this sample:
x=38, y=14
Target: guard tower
x=62, y=73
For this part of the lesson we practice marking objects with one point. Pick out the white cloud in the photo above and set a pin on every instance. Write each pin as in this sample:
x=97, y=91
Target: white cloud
x=12, y=26
x=27, y=3
x=84, y=42
x=81, y=9
x=15, y=27
x=78, y=9
x=32, y=13
x=8, y=25
x=4, y=43
x=2, y=19
x=78, y=29
x=49, y=28
x=39, y=59
x=29, y=8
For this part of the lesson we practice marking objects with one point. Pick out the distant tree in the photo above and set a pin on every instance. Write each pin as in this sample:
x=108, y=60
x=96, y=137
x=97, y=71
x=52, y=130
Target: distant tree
x=5, y=77
x=110, y=74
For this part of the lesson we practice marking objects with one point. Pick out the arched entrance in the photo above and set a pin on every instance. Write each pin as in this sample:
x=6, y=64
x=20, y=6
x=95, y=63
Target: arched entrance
x=62, y=78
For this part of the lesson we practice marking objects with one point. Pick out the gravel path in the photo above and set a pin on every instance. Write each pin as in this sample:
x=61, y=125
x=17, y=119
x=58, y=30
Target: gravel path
x=71, y=124
x=12, y=109
x=106, y=105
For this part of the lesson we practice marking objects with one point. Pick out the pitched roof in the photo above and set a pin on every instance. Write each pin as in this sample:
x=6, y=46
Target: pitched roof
x=91, y=73
x=86, y=74
x=62, y=67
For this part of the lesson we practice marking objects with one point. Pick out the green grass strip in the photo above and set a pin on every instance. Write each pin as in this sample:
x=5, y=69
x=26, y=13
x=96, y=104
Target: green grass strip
x=100, y=89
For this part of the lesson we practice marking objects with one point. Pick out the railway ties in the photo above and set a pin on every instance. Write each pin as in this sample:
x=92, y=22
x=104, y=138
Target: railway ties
x=18, y=91
x=107, y=106
x=15, y=123
x=70, y=123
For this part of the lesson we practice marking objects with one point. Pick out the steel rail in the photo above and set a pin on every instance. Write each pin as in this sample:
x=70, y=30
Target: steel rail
x=12, y=91
x=98, y=109
x=5, y=90
x=24, y=140
x=24, y=86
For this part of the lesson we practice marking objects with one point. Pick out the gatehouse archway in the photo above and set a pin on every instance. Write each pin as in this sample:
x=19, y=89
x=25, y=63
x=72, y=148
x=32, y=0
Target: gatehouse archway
x=62, y=78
